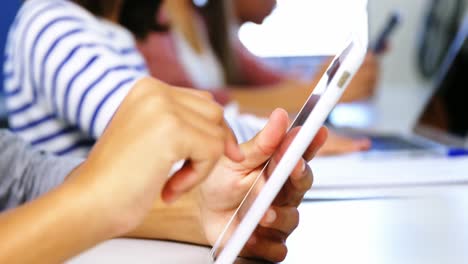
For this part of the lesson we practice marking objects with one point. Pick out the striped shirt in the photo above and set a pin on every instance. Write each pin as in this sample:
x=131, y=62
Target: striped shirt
x=66, y=72
x=26, y=173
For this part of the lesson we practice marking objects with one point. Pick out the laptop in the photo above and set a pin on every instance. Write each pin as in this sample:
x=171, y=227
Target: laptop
x=442, y=126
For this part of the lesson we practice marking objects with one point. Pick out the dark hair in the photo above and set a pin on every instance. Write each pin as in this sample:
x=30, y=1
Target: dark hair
x=217, y=16
x=101, y=8
x=138, y=16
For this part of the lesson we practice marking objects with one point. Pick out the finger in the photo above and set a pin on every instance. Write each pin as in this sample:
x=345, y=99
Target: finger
x=175, y=185
x=182, y=182
x=200, y=122
x=203, y=104
x=205, y=155
x=340, y=147
x=294, y=189
x=259, y=149
x=298, y=171
x=283, y=219
x=202, y=154
x=362, y=144
x=231, y=148
x=302, y=181
x=275, y=160
x=194, y=92
x=316, y=144
x=200, y=102
x=261, y=248
x=285, y=143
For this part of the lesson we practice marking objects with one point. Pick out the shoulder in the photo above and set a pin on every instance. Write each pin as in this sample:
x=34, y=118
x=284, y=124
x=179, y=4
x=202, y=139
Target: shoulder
x=40, y=17
x=45, y=22
x=33, y=10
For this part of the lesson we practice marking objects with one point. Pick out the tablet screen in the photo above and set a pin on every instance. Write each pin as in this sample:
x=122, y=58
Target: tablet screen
x=270, y=166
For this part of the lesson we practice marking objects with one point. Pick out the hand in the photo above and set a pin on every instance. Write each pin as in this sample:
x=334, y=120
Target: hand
x=339, y=145
x=364, y=83
x=155, y=126
x=225, y=188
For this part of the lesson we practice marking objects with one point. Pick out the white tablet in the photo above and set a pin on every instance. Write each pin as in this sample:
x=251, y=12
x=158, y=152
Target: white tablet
x=303, y=130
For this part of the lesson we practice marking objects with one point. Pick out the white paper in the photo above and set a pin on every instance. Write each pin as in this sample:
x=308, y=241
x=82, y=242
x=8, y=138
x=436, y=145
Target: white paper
x=361, y=172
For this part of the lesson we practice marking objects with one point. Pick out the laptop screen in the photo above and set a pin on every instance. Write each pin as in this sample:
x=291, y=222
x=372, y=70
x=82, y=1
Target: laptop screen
x=445, y=117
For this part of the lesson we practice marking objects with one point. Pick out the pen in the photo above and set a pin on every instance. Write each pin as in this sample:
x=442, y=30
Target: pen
x=457, y=152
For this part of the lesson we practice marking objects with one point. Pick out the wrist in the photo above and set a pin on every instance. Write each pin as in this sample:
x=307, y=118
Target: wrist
x=180, y=221
x=95, y=203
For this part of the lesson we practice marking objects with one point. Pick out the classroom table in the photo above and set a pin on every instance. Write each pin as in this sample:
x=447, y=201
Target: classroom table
x=425, y=224
x=431, y=228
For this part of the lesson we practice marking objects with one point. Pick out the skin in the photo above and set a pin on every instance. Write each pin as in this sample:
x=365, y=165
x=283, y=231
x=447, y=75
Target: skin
x=265, y=97
x=253, y=11
x=200, y=216
x=339, y=145
x=361, y=88
x=115, y=189
x=282, y=217
x=181, y=17
x=101, y=193
x=272, y=87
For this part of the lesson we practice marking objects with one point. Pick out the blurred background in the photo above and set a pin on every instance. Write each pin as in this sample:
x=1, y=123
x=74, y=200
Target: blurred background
x=316, y=28
x=299, y=33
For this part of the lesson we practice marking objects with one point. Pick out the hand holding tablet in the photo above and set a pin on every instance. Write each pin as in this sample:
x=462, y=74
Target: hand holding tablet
x=287, y=157
x=226, y=187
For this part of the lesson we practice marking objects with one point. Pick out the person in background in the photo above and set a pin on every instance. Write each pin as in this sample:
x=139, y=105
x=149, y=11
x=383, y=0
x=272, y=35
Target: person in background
x=68, y=66
x=123, y=188
x=362, y=87
x=205, y=52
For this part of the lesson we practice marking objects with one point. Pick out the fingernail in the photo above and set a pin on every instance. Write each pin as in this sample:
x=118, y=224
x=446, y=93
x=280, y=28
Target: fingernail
x=170, y=201
x=171, y=198
x=303, y=169
x=270, y=217
x=252, y=240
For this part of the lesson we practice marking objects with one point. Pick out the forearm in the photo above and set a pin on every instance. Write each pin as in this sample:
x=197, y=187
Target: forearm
x=53, y=228
x=177, y=222
x=289, y=95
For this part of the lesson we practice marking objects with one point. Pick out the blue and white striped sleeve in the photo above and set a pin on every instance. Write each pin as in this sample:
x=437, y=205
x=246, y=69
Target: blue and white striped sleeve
x=81, y=75
x=244, y=126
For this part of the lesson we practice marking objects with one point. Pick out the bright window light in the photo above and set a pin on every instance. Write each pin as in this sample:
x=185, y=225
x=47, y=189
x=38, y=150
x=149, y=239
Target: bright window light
x=306, y=28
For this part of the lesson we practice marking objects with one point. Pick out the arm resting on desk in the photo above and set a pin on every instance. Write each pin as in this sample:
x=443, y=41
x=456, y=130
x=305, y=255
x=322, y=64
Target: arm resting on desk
x=288, y=94
x=178, y=222
x=28, y=235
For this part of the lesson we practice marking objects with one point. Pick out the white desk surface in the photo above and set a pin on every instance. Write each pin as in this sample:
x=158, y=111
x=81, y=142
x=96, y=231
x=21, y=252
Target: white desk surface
x=394, y=109
x=419, y=225
x=429, y=229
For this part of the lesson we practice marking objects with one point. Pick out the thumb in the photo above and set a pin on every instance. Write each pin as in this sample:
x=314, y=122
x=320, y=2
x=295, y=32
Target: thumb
x=259, y=149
